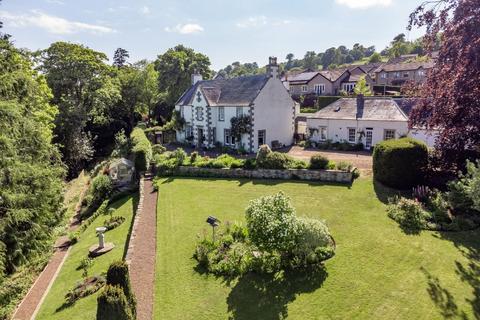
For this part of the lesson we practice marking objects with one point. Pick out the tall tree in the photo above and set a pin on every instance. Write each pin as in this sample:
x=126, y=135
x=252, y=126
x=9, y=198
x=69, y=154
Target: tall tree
x=120, y=57
x=175, y=68
x=450, y=96
x=362, y=87
x=84, y=91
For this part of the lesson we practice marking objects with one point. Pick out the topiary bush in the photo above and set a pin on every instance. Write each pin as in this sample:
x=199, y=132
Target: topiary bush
x=262, y=153
x=276, y=160
x=141, y=149
x=271, y=222
x=112, y=304
x=317, y=161
x=117, y=275
x=400, y=163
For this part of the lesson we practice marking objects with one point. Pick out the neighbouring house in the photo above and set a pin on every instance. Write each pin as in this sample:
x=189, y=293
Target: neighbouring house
x=397, y=74
x=366, y=120
x=121, y=171
x=209, y=105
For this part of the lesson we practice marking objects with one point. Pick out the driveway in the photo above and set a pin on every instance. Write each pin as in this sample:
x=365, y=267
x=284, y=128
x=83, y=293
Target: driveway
x=360, y=159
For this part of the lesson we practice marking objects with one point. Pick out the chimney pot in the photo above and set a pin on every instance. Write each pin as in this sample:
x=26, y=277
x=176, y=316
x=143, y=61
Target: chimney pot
x=196, y=77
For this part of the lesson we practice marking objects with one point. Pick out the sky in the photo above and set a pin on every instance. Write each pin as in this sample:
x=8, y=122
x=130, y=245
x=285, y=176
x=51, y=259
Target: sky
x=226, y=31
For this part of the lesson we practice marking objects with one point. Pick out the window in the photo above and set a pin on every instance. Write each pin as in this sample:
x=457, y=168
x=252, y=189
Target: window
x=383, y=75
x=214, y=135
x=304, y=88
x=229, y=140
x=323, y=133
x=396, y=74
x=388, y=134
x=351, y=135
x=199, y=114
x=319, y=88
x=262, y=134
x=239, y=111
x=406, y=75
x=221, y=113
x=348, y=87
x=421, y=73
x=188, y=131
x=182, y=112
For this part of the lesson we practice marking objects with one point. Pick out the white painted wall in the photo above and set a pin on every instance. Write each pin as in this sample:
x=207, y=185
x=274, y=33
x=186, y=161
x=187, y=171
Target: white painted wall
x=426, y=136
x=274, y=112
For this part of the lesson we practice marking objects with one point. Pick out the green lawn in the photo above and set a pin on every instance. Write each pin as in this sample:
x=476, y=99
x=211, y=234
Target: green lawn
x=53, y=307
x=378, y=271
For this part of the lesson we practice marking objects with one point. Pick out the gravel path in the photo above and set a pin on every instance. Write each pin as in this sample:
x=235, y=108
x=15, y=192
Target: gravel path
x=142, y=257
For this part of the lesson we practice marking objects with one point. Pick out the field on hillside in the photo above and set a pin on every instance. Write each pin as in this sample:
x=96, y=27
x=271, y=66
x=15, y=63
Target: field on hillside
x=378, y=271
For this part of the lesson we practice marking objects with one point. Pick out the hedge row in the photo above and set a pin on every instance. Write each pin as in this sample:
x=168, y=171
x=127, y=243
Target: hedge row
x=141, y=149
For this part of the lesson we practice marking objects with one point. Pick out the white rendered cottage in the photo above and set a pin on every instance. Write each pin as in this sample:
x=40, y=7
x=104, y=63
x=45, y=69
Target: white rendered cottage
x=368, y=120
x=209, y=105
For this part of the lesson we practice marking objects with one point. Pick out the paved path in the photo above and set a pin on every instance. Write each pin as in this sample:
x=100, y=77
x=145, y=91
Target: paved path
x=142, y=257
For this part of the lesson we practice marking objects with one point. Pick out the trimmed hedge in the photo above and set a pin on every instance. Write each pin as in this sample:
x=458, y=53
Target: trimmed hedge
x=113, y=305
x=117, y=275
x=141, y=149
x=317, y=161
x=400, y=163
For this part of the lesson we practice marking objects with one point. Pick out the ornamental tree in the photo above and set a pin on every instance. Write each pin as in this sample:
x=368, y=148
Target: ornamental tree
x=450, y=97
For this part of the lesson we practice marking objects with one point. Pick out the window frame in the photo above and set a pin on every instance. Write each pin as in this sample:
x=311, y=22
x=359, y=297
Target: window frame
x=221, y=114
x=228, y=139
x=354, y=135
x=304, y=88
x=239, y=114
x=319, y=88
x=199, y=113
x=323, y=133
x=385, y=131
x=264, y=134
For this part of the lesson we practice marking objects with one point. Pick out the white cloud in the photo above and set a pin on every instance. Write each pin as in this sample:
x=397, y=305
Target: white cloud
x=188, y=28
x=259, y=21
x=362, y=4
x=50, y=23
x=145, y=10
x=55, y=2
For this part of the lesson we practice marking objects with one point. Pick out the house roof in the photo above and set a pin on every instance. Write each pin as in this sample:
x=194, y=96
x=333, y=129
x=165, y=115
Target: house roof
x=384, y=109
x=333, y=75
x=240, y=91
x=389, y=67
x=303, y=77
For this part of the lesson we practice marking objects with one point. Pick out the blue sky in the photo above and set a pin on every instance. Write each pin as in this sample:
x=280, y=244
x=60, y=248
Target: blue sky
x=226, y=31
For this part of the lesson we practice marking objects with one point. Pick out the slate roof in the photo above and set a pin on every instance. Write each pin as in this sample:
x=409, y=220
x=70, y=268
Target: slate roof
x=240, y=91
x=389, y=67
x=333, y=75
x=303, y=77
x=384, y=109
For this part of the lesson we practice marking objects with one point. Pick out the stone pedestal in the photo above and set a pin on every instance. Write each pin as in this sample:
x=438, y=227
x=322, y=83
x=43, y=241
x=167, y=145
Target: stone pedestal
x=96, y=250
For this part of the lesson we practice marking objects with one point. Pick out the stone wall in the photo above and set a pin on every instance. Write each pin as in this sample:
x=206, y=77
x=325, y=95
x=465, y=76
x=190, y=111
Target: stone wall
x=141, y=194
x=290, y=174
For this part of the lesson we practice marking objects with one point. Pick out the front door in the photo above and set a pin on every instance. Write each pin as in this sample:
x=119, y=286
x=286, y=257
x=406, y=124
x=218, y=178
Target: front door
x=368, y=138
x=200, y=137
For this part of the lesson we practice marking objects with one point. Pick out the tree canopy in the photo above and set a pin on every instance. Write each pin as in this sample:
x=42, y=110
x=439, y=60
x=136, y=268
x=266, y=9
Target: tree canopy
x=449, y=97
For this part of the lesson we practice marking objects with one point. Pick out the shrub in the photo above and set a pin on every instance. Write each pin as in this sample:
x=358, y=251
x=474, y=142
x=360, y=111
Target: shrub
x=344, y=166
x=464, y=193
x=271, y=222
x=168, y=162
x=73, y=237
x=193, y=157
x=113, y=222
x=262, y=153
x=85, y=265
x=331, y=165
x=112, y=304
x=158, y=149
x=275, y=160
x=250, y=164
x=84, y=288
x=117, y=275
x=298, y=164
x=318, y=161
x=400, y=163
x=409, y=214
x=101, y=188
x=142, y=150
x=226, y=161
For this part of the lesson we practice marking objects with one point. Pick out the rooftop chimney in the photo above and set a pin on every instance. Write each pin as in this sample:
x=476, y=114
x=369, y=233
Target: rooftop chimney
x=272, y=67
x=360, y=105
x=196, y=77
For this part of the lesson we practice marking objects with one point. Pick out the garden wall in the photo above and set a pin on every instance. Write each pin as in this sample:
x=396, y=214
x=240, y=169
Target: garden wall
x=288, y=174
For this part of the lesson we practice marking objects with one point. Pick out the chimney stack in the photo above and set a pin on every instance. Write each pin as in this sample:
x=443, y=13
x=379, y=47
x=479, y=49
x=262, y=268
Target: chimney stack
x=360, y=105
x=272, y=68
x=196, y=77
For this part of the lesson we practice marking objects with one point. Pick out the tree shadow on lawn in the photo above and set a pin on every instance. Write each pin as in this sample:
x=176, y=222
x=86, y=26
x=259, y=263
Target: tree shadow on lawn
x=257, y=296
x=468, y=243
x=385, y=193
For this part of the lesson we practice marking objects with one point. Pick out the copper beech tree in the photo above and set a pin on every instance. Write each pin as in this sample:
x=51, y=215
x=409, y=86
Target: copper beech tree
x=450, y=97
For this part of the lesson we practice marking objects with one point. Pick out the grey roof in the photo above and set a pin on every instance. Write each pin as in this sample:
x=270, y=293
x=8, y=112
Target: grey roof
x=385, y=109
x=240, y=91
x=333, y=75
x=389, y=67
x=303, y=77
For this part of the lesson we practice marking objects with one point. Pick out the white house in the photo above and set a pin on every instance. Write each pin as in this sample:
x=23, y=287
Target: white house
x=368, y=120
x=208, y=106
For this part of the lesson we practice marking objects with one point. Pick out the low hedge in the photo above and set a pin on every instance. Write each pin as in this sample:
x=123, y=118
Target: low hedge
x=400, y=163
x=141, y=149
